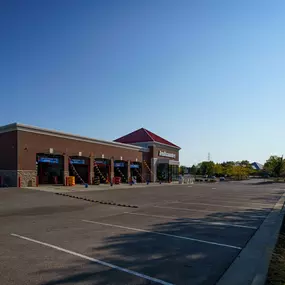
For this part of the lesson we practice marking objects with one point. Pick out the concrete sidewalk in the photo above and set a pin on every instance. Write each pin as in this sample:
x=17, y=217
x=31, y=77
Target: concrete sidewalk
x=101, y=187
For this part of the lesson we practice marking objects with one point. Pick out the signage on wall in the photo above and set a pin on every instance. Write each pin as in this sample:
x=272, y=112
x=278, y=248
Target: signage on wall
x=77, y=161
x=48, y=160
x=134, y=166
x=119, y=164
x=100, y=161
x=166, y=154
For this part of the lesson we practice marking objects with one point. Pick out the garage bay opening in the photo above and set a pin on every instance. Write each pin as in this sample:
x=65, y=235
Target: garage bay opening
x=121, y=170
x=102, y=169
x=136, y=172
x=49, y=168
x=79, y=167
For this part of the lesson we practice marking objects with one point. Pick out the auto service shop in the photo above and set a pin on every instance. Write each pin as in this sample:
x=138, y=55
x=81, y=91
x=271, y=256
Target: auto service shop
x=30, y=156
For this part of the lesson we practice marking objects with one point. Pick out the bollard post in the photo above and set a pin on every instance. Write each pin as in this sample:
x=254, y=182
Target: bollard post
x=37, y=181
x=66, y=181
x=19, y=182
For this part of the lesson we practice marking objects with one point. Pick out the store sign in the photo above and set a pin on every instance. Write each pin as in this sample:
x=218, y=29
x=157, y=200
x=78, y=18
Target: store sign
x=166, y=154
x=77, y=161
x=48, y=160
x=100, y=162
x=134, y=166
x=119, y=164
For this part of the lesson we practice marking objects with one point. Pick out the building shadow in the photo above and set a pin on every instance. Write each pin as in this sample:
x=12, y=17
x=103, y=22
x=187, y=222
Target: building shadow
x=163, y=256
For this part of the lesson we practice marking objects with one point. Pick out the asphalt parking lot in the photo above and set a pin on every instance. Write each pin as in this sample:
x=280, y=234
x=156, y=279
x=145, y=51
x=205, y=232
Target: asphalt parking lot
x=186, y=234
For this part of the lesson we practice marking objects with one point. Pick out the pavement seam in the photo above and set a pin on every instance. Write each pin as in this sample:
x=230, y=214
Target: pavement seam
x=97, y=201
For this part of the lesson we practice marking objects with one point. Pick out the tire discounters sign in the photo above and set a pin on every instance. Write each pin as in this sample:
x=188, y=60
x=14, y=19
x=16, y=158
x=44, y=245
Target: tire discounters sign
x=166, y=154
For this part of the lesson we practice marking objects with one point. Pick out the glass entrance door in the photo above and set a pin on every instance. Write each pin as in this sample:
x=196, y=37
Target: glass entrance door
x=162, y=172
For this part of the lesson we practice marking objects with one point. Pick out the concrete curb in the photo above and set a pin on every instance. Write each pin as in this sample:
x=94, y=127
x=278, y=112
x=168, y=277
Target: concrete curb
x=91, y=188
x=251, y=266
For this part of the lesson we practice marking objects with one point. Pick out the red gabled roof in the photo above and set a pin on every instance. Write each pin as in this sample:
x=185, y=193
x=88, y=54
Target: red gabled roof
x=143, y=135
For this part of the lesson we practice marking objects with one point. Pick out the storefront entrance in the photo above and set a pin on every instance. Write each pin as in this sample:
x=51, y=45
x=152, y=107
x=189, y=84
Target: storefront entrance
x=167, y=172
x=162, y=172
x=136, y=171
x=173, y=172
x=79, y=167
x=49, y=168
x=121, y=170
x=103, y=169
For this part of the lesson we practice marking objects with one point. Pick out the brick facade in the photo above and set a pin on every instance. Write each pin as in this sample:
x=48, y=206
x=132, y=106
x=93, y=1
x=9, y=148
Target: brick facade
x=20, y=144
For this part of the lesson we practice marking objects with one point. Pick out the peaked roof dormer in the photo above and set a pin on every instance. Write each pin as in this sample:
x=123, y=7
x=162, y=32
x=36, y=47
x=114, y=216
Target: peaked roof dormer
x=144, y=135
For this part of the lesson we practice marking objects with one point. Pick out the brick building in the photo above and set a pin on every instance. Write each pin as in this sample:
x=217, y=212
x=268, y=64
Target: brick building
x=31, y=155
x=162, y=155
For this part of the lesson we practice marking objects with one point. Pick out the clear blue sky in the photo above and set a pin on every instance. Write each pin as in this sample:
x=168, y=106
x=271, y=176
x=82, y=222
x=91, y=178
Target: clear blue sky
x=207, y=75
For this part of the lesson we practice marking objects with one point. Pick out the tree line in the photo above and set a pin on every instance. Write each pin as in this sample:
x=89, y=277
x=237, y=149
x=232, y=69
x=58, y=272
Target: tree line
x=273, y=167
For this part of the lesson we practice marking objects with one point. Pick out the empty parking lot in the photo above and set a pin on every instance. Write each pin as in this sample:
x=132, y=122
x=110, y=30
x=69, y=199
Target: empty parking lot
x=187, y=234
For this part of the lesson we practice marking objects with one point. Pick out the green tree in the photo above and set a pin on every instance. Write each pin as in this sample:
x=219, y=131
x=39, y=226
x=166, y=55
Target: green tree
x=182, y=169
x=193, y=169
x=275, y=165
x=207, y=168
x=246, y=163
x=239, y=172
x=219, y=169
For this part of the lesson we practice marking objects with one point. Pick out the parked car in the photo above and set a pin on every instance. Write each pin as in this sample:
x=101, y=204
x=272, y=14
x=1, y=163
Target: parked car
x=222, y=179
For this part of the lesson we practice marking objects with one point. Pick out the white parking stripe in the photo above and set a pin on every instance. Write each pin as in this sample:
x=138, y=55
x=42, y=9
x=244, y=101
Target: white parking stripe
x=205, y=211
x=95, y=260
x=254, y=217
x=218, y=205
x=183, y=209
x=194, y=220
x=240, y=201
x=163, y=234
x=155, y=216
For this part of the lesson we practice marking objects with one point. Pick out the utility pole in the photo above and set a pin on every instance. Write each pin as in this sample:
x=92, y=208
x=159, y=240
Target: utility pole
x=209, y=156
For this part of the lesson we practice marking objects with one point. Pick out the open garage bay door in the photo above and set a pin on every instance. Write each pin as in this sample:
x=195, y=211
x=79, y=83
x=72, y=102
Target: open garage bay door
x=136, y=171
x=102, y=168
x=49, y=168
x=79, y=167
x=121, y=170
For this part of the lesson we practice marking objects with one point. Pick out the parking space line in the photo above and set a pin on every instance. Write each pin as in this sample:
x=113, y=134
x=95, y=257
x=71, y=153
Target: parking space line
x=183, y=209
x=254, y=217
x=218, y=205
x=194, y=220
x=163, y=234
x=94, y=260
x=155, y=216
x=235, y=201
x=205, y=211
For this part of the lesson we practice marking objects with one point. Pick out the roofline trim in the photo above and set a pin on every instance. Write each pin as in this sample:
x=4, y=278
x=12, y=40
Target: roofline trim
x=37, y=130
x=163, y=144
